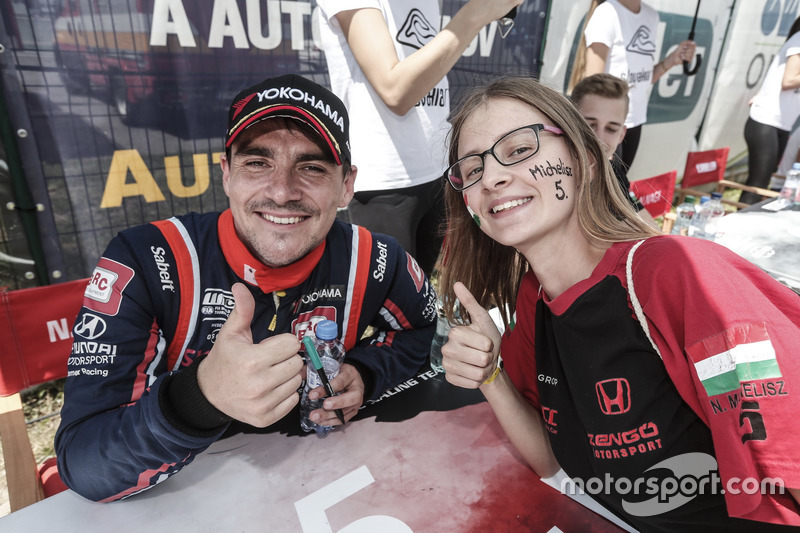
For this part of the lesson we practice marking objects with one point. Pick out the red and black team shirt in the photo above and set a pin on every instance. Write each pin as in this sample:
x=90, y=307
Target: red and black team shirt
x=620, y=416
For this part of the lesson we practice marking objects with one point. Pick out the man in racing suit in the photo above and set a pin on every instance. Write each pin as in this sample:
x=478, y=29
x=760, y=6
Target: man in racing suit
x=191, y=325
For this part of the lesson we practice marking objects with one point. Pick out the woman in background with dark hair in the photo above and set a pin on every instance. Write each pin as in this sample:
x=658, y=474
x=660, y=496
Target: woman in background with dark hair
x=773, y=112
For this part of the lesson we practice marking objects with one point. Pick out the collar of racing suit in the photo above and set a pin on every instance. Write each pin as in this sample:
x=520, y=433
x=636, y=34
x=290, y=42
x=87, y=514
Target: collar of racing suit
x=253, y=271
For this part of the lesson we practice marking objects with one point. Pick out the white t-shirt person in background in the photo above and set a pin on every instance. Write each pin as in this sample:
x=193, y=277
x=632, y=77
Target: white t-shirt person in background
x=773, y=112
x=388, y=62
x=621, y=38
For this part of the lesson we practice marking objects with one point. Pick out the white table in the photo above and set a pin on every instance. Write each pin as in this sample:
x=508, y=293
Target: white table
x=395, y=469
x=769, y=239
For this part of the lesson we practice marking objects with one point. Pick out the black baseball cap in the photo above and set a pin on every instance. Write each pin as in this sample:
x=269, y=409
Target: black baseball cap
x=295, y=97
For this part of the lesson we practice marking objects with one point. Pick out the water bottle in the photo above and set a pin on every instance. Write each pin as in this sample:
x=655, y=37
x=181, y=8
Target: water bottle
x=708, y=216
x=331, y=355
x=684, y=215
x=790, y=192
x=697, y=224
x=715, y=213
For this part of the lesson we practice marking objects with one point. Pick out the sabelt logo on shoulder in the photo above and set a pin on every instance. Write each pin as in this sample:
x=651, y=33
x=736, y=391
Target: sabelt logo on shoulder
x=301, y=96
x=383, y=252
x=163, y=269
x=106, y=285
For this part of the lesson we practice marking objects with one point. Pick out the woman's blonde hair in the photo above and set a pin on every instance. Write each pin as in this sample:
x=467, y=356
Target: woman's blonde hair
x=492, y=271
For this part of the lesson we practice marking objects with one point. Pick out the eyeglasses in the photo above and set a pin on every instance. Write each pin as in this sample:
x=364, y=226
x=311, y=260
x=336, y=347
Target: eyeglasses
x=512, y=148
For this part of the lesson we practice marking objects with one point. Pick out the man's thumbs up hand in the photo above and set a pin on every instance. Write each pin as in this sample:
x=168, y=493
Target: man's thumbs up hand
x=253, y=383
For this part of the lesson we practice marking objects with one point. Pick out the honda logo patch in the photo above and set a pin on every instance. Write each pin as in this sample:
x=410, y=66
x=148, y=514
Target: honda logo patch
x=614, y=396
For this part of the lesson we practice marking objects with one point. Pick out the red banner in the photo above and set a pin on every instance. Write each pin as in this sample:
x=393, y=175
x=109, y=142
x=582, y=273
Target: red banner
x=656, y=193
x=36, y=327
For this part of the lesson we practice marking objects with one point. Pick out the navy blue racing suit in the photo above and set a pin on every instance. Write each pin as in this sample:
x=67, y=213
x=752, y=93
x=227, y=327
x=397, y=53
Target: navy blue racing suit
x=154, y=306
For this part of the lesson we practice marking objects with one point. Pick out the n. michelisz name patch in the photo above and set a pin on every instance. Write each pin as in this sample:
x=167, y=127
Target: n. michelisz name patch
x=737, y=355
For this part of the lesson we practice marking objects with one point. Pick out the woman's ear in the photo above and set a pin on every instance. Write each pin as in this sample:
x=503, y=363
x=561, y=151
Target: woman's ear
x=594, y=166
x=592, y=160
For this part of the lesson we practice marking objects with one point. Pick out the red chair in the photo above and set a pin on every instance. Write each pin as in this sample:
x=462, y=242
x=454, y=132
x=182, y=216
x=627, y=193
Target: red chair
x=656, y=193
x=707, y=167
x=35, y=325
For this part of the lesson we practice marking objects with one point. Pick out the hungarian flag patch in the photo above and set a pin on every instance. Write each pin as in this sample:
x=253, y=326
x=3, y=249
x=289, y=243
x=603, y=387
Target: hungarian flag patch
x=739, y=354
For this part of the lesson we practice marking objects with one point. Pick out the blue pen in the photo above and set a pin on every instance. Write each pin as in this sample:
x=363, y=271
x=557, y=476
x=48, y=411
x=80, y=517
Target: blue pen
x=311, y=350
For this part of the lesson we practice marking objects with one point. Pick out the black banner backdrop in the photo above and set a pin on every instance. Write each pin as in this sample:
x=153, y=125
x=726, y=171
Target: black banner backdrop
x=117, y=109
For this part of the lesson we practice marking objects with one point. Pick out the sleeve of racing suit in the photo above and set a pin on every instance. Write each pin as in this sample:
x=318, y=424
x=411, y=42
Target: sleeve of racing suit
x=114, y=439
x=400, y=306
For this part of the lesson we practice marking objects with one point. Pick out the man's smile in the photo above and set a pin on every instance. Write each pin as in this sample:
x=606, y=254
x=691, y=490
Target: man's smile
x=283, y=220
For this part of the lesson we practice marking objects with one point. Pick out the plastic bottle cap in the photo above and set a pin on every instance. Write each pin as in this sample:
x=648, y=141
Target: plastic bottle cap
x=689, y=199
x=796, y=166
x=327, y=330
x=716, y=195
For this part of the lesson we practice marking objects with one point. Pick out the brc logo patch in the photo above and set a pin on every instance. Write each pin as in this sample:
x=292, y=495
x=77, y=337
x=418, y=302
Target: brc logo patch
x=104, y=290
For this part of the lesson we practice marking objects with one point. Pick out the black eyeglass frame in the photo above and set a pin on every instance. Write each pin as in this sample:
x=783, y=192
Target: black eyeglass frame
x=536, y=129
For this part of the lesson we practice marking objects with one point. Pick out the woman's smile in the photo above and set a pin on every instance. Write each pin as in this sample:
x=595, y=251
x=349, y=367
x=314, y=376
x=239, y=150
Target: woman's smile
x=505, y=206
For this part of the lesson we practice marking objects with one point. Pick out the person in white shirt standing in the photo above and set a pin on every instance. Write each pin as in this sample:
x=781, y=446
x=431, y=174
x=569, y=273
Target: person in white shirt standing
x=620, y=39
x=388, y=62
x=773, y=112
